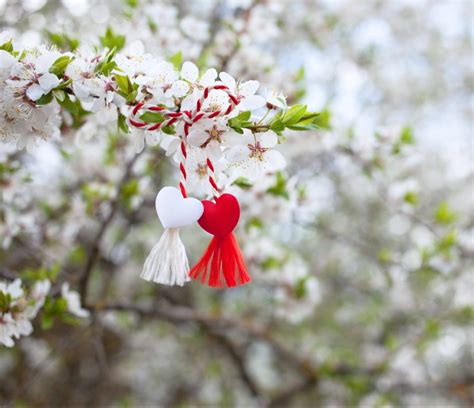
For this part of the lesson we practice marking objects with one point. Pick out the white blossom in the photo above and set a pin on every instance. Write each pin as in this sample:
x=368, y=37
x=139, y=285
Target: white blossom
x=16, y=316
x=255, y=156
x=73, y=301
x=244, y=91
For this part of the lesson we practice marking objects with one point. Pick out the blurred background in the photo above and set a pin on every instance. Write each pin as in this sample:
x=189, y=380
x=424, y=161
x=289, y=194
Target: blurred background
x=361, y=250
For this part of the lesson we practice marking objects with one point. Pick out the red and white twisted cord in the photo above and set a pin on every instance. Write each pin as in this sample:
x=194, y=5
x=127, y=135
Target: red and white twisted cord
x=189, y=118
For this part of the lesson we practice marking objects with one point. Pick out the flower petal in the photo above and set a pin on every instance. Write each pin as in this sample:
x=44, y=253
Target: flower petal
x=6, y=59
x=237, y=154
x=189, y=72
x=44, y=61
x=34, y=92
x=14, y=289
x=227, y=80
x=274, y=161
x=197, y=137
x=139, y=142
x=170, y=144
x=253, y=102
x=268, y=139
x=209, y=77
x=248, y=88
x=189, y=103
x=179, y=89
x=48, y=81
x=251, y=169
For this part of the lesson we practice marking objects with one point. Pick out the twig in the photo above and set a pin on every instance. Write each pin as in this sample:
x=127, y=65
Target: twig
x=238, y=360
x=95, y=248
x=179, y=314
x=282, y=400
x=7, y=275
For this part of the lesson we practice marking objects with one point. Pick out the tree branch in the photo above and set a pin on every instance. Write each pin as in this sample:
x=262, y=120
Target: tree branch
x=7, y=275
x=179, y=314
x=238, y=359
x=95, y=248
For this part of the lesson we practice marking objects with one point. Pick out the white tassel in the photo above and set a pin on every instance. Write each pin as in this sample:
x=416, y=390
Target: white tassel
x=167, y=262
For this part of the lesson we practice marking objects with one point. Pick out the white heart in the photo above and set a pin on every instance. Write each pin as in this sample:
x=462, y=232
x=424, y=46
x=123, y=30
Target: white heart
x=174, y=211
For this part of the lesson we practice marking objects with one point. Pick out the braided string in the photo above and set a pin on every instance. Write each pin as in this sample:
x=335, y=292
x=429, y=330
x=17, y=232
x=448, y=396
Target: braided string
x=189, y=118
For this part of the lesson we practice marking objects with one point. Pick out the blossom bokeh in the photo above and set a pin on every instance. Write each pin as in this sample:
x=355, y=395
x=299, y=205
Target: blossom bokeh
x=357, y=229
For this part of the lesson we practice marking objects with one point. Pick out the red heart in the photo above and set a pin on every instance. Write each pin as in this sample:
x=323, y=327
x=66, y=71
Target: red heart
x=221, y=217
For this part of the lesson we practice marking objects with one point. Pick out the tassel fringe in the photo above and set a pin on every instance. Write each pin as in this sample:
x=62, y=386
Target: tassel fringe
x=167, y=262
x=222, y=264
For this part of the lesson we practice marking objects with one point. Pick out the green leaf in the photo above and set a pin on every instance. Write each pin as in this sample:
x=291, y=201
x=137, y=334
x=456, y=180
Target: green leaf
x=59, y=95
x=304, y=127
x=169, y=130
x=202, y=60
x=240, y=121
x=308, y=118
x=177, y=60
x=152, y=25
x=63, y=41
x=132, y=95
x=244, y=116
x=243, y=183
x=300, y=74
x=64, y=84
x=41, y=273
x=293, y=115
x=300, y=288
x=391, y=342
x=107, y=64
x=59, y=66
x=47, y=322
x=5, y=300
x=444, y=214
x=111, y=40
x=129, y=190
x=463, y=315
x=78, y=255
x=406, y=136
x=152, y=117
x=324, y=119
x=279, y=188
x=446, y=243
x=384, y=255
x=298, y=118
x=123, y=83
x=45, y=99
x=8, y=46
x=254, y=222
x=127, y=89
x=122, y=123
x=270, y=263
x=60, y=305
x=277, y=127
x=432, y=331
x=75, y=109
x=131, y=3
x=70, y=319
x=411, y=198
x=234, y=122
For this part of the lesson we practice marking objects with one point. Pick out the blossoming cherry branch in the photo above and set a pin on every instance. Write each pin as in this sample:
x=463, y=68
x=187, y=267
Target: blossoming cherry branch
x=216, y=129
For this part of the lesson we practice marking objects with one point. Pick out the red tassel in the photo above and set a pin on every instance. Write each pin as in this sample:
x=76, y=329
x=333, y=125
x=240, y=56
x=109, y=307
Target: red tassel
x=222, y=263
